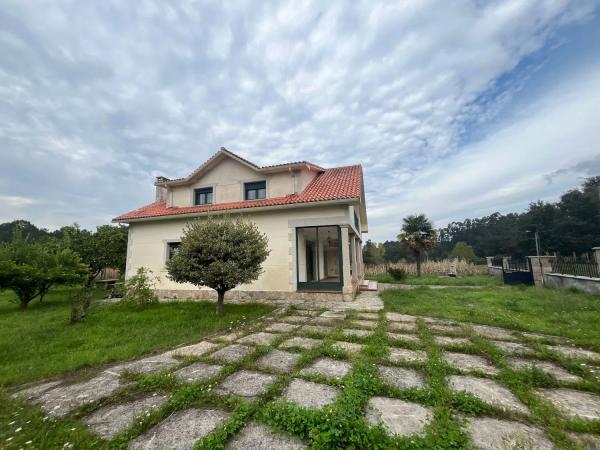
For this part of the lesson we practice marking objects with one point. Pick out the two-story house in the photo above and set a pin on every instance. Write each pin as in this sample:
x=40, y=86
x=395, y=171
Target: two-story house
x=313, y=218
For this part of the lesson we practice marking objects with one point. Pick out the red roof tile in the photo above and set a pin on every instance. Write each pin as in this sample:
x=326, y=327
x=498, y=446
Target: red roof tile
x=332, y=184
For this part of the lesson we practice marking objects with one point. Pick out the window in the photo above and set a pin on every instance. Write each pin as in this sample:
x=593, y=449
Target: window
x=255, y=191
x=319, y=258
x=356, y=221
x=172, y=249
x=203, y=196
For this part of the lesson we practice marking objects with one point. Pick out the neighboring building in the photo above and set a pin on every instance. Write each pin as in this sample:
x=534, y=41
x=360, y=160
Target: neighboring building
x=313, y=217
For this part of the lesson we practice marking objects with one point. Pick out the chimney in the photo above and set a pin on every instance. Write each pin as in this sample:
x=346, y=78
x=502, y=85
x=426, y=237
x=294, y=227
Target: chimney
x=161, y=191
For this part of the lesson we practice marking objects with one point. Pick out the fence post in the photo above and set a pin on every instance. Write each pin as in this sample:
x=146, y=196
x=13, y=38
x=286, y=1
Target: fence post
x=539, y=266
x=597, y=256
x=489, y=260
x=505, y=260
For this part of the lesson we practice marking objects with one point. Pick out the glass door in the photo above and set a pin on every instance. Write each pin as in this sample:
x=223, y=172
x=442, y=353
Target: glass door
x=319, y=258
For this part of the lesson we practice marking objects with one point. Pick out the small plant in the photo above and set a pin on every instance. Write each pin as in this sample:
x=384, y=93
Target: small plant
x=139, y=289
x=397, y=273
x=117, y=291
x=81, y=300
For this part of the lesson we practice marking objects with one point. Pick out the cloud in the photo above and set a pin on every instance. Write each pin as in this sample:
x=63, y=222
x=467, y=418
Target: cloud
x=511, y=166
x=100, y=97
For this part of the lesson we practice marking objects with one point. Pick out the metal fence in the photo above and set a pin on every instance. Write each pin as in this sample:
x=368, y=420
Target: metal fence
x=518, y=265
x=577, y=268
x=497, y=261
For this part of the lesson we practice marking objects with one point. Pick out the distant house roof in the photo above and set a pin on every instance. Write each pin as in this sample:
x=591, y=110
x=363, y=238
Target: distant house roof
x=337, y=183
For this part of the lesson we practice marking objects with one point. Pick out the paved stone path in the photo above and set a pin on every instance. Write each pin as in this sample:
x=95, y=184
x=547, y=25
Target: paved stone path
x=304, y=356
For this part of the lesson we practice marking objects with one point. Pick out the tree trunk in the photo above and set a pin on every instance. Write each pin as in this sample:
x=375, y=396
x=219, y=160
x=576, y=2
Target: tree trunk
x=23, y=304
x=220, y=298
x=418, y=255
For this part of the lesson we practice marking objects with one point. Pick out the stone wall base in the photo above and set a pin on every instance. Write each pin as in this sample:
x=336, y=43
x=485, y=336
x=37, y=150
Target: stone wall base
x=272, y=297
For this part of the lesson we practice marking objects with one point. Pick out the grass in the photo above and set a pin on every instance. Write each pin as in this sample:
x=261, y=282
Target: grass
x=342, y=424
x=555, y=311
x=436, y=280
x=39, y=342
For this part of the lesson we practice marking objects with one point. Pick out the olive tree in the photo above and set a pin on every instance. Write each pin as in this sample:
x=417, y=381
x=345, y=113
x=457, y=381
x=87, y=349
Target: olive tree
x=220, y=253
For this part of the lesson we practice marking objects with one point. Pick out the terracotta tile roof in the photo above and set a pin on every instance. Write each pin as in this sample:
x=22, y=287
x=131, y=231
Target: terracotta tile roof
x=332, y=184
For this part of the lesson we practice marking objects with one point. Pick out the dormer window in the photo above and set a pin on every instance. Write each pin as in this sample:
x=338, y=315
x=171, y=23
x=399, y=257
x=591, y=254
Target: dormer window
x=255, y=191
x=203, y=196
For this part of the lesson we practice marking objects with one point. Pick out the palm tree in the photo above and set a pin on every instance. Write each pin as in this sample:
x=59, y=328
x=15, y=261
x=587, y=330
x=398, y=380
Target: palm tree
x=418, y=235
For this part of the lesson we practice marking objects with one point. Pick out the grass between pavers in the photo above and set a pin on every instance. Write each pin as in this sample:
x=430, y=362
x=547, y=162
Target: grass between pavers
x=39, y=342
x=434, y=280
x=341, y=425
x=559, y=312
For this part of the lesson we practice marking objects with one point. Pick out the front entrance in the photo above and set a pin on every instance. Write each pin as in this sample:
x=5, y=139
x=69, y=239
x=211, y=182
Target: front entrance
x=319, y=258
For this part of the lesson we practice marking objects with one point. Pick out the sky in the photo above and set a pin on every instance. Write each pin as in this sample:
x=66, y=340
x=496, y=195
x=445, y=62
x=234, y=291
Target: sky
x=454, y=109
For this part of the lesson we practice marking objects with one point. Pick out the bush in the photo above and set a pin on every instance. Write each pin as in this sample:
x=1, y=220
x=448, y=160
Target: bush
x=81, y=301
x=139, y=289
x=397, y=273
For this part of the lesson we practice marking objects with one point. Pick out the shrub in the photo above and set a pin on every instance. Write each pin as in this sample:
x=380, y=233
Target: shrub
x=139, y=289
x=81, y=300
x=397, y=273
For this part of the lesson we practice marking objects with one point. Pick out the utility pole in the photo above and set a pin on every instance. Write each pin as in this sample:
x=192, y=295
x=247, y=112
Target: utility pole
x=537, y=250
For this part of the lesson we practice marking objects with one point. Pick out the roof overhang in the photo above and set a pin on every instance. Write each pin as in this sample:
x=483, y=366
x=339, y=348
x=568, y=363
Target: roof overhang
x=344, y=201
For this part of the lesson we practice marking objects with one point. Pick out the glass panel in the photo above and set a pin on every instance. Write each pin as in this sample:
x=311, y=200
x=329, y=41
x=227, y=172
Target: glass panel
x=203, y=196
x=262, y=193
x=329, y=261
x=307, y=254
x=173, y=249
x=251, y=194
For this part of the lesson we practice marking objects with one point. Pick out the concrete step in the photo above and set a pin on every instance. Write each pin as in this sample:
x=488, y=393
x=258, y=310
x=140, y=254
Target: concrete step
x=368, y=285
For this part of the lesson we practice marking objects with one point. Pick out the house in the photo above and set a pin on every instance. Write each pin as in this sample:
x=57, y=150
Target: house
x=313, y=217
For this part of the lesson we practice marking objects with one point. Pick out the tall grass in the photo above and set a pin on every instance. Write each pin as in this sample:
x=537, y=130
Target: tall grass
x=443, y=267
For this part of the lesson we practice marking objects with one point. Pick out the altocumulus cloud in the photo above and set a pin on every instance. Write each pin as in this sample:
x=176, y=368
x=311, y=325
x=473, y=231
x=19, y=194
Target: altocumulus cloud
x=97, y=98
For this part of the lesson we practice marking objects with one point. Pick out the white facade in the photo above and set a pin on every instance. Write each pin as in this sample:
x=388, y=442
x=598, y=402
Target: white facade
x=286, y=268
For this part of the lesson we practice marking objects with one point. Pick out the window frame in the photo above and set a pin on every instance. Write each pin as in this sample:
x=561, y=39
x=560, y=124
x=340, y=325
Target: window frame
x=169, y=249
x=203, y=191
x=256, y=187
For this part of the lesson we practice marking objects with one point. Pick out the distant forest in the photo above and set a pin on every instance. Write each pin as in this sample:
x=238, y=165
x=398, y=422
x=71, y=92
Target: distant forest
x=28, y=231
x=569, y=226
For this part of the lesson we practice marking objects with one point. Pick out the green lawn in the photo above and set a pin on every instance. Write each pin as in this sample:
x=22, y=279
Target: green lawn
x=470, y=280
x=554, y=311
x=39, y=342
x=342, y=424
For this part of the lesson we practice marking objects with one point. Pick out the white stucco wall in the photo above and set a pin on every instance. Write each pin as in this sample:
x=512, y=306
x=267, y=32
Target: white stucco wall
x=148, y=243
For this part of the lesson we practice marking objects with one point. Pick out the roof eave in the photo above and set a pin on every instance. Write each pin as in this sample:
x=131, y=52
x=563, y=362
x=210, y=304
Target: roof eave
x=239, y=210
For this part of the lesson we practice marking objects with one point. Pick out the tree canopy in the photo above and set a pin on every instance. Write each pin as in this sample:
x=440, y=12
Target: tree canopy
x=106, y=247
x=31, y=268
x=462, y=250
x=220, y=253
x=568, y=226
